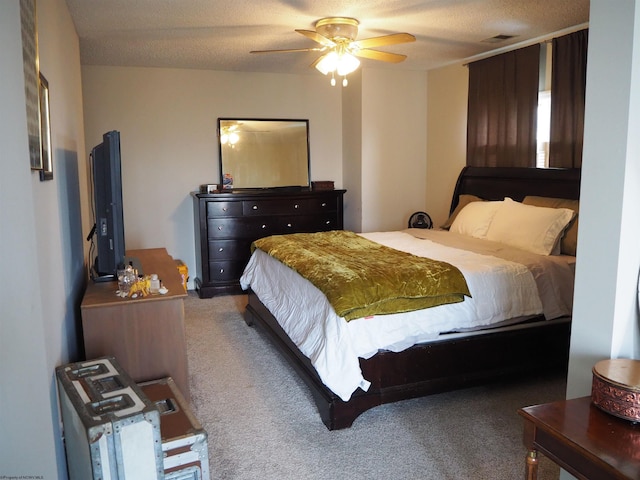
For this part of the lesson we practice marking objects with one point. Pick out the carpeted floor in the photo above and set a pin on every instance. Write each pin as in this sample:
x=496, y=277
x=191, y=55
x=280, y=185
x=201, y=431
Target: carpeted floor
x=263, y=424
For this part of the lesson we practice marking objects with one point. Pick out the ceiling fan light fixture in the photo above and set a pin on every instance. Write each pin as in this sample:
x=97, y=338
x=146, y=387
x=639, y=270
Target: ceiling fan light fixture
x=338, y=28
x=328, y=62
x=337, y=39
x=347, y=64
x=342, y=64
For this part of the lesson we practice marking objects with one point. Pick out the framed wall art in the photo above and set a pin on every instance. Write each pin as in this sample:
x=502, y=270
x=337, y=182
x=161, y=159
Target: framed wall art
x=46, y=172
x=31, y=80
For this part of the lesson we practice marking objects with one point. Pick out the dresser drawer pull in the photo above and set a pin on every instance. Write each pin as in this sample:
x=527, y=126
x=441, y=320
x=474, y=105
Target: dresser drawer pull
x=255, y=207
x=289, y=225
x=324, y=204
x=328, y=222
x=264, y=226
x=221, y=249
x=224, y=209
x=222, y=270
x=220, y=227
x=296, y=206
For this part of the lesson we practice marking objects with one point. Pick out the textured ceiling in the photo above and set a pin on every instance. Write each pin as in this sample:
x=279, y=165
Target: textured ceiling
x=219, y=34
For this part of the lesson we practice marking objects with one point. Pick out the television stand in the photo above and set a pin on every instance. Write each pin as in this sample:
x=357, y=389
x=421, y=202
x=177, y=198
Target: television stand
x=146, y=335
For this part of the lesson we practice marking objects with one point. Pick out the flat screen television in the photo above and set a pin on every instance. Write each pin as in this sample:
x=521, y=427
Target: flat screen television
x=107, y=203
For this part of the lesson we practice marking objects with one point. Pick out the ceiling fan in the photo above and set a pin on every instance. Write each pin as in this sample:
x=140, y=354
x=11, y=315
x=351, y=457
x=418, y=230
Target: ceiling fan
x=337, y=38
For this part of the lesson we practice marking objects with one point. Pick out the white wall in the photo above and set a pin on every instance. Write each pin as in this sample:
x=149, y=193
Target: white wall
x=167, y=122
x=41, y=244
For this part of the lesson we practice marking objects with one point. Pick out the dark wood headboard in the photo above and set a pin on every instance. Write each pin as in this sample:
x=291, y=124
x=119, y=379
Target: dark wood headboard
x=495, y=183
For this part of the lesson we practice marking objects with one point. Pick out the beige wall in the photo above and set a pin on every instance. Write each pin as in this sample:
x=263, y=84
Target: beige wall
x=44, y=224
x=42, y=244
x=393, y=147
x=446, y=141
x=61, y=213
x=352, y=151
x=384, y=148
x=167, y=122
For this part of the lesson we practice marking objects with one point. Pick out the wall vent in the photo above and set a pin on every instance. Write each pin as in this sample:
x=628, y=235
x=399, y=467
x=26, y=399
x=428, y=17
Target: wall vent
x=497, y=38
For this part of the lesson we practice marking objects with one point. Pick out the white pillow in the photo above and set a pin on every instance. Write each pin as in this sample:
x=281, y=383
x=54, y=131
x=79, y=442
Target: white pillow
x=474, y=219
x=535, y=229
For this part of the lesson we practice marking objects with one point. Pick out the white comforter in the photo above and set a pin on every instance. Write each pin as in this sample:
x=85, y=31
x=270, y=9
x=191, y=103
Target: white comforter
x=500, y=289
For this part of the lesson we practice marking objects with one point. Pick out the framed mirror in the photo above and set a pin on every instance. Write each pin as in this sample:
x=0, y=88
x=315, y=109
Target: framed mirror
x=263, y=153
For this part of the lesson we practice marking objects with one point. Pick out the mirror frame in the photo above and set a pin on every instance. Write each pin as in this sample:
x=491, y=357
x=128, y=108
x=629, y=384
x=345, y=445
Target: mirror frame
x=262, y=121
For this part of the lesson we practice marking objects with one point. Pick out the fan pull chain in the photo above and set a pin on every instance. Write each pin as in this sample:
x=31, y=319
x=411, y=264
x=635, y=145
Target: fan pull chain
x=345, y=82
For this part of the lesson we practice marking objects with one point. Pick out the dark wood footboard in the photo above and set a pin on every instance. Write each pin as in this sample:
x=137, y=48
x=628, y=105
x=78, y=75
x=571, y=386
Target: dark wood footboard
x=427, y=368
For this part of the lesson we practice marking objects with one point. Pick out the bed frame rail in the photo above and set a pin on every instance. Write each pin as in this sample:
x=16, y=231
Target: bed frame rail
x=425, y=369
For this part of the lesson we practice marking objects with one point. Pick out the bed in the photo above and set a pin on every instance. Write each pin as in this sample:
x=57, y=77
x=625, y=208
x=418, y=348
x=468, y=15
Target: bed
x=450, y=359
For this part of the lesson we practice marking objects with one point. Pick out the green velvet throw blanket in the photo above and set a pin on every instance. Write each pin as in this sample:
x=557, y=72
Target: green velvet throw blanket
x=361, y=278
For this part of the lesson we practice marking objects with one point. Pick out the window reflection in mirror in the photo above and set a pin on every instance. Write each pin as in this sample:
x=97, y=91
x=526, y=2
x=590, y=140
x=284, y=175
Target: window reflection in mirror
x=263, y=153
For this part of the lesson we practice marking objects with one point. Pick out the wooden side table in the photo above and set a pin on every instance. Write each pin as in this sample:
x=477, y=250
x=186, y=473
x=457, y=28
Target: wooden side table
x=585, y=441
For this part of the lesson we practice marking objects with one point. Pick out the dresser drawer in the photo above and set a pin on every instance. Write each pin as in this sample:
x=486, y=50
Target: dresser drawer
x=306, y=223
x=296, y=206
x=243, y=227
x=224, y=209
x=229, y=249
x=227, y=271
x=326, y=204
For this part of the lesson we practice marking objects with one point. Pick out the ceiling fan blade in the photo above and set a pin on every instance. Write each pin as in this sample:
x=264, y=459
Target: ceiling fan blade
x=316, y=37
x=287, y=50
x=392, y=39
x=377, y=55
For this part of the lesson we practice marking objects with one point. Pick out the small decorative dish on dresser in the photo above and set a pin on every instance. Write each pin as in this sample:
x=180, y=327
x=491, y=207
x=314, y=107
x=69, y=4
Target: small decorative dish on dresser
x=616, y=388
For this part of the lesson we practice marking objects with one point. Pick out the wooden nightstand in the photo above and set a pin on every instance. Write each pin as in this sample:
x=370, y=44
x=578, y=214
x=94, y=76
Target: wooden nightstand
x=585, y=441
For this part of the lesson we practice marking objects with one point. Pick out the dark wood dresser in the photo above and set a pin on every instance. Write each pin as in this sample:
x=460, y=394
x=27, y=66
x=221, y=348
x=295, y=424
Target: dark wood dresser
x=227, y=223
